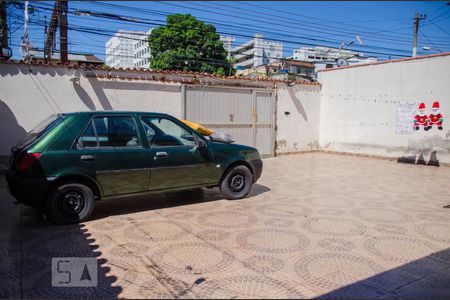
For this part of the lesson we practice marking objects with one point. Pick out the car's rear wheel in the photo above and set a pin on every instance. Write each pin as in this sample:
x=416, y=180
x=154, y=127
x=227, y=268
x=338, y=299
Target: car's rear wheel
x=70, y=202
x=237, y=183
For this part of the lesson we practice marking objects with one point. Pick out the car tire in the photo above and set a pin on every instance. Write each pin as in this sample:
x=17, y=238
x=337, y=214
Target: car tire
x=70, y=202
x=237, y=183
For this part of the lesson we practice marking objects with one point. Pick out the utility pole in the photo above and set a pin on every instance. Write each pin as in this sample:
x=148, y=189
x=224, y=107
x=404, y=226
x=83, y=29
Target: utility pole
x=3, y=25
x=58, y=19
x=417, y=19
x=25, y=45
x=5, y=50
x=63, y=30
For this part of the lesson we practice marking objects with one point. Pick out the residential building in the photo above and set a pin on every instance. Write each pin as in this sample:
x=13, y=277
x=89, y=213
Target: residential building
x=255, y=52
x=287, y=69
x=227, y=43
x=291, y=69
x=120, y=49
x=142, y=52
x=326, y=58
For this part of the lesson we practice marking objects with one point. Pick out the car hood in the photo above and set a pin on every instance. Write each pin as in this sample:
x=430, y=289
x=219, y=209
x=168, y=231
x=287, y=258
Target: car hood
x=243, y=151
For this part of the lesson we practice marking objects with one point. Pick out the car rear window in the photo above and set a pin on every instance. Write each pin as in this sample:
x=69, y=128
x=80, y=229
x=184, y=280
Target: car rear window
x=41, y=129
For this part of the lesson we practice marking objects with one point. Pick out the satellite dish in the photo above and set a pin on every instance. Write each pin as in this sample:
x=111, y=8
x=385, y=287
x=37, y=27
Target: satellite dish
x=341, y=62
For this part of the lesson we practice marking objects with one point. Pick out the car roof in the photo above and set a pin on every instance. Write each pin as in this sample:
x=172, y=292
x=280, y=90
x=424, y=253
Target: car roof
x=118, y=112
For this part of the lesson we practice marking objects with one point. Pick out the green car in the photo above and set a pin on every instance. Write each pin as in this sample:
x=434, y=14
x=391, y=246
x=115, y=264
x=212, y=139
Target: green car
x=71, y=160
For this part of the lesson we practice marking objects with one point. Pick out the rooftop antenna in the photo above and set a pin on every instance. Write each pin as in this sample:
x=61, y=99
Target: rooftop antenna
x=358, y=38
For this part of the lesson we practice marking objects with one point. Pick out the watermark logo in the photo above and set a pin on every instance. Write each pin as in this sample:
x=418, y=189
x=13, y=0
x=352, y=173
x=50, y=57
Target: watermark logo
x=74, y=271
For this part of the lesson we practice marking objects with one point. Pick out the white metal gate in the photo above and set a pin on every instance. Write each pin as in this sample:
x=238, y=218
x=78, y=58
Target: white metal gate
x=247, y=114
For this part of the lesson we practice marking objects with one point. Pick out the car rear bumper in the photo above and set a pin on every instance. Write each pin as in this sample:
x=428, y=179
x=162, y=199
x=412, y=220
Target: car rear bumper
x=257, y=166
x=30, y=191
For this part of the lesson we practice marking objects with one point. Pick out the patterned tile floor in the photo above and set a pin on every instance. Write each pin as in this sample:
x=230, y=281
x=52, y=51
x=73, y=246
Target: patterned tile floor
x=315, y=225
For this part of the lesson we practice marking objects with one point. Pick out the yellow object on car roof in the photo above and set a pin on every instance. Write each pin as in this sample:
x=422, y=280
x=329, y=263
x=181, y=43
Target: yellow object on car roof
x=197, y=127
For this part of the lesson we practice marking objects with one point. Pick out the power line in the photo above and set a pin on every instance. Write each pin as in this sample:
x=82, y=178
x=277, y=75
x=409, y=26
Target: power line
x=296, y=22
x=250, y=36
x=288, y=41
x=396, y=39
x=160, y=13
x=442, y=29
x=283, y=40
x=103, y=33
x=283, y=26
x=426, y=37
x=309, y=17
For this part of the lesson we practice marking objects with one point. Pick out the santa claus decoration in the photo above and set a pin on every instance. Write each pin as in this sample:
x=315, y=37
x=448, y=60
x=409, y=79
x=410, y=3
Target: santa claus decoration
x=435, y=117
x=421, y=119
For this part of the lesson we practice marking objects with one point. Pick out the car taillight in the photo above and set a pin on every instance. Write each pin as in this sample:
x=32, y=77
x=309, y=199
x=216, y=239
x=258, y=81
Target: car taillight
x=26, y=160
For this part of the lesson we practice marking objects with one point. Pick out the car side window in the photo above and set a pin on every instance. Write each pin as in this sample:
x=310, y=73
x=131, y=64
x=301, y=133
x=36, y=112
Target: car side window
x=113, y=131
x=149, y=132
x=89, y=138
x=165, y=132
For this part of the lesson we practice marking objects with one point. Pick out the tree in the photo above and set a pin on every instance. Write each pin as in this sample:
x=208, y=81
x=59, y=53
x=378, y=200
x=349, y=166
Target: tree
x=186, y=43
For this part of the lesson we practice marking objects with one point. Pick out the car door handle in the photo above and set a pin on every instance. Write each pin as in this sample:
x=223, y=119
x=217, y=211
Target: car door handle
x=87, y=157
x=161, y=154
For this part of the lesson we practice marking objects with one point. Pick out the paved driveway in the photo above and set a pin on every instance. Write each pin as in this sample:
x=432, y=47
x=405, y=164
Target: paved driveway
x=315, y=225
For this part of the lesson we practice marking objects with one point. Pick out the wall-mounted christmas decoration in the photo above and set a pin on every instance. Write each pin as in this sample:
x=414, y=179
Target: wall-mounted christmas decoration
x=421, y=118
x=435, y=117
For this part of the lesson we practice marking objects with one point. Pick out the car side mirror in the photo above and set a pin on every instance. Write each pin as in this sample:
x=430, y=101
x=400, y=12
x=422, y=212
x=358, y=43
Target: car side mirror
x=199, y=142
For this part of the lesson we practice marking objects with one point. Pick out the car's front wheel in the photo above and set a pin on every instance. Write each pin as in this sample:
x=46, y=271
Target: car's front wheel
x=69, y=203
x=237, y=183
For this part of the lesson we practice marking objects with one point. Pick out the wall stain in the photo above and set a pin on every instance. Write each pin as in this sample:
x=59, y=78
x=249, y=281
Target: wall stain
x=427, y=144
x=315, y=145
x=281, y=144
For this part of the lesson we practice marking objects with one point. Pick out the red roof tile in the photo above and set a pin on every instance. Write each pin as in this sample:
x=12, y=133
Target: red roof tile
x=169, y=72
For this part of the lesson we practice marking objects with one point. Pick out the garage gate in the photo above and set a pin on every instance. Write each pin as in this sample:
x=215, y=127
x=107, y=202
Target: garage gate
x=247, y=114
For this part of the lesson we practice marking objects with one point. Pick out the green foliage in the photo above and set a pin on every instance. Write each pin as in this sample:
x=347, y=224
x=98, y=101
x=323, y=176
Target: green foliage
x=186, y=43
x=292, y=76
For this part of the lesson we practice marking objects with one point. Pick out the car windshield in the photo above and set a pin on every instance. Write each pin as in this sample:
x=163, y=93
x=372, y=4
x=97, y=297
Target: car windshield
x=41, y=129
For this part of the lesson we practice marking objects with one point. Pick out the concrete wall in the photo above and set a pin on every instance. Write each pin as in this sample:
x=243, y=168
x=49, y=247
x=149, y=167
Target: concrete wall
x=27, y=97
x=28, y=94
x=297, y=118
x=358, y=107
x=353, y=111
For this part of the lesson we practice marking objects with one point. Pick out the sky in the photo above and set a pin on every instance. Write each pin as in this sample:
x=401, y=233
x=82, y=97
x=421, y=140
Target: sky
x=385, y=28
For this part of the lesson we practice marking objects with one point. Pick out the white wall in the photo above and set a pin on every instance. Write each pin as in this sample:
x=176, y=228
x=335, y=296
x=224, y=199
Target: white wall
x=353, y=111
x=358, y=107
x=28, y=94
x=26, y=98
x=298, y=118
